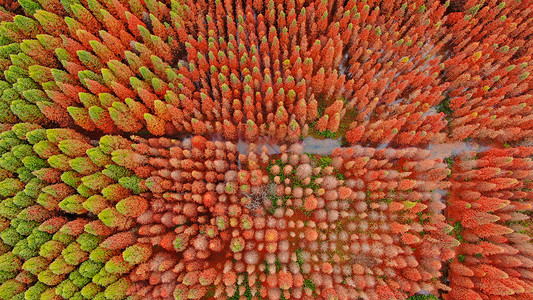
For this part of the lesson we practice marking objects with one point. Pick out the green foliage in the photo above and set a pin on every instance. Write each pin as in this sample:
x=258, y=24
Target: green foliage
x=133, y=183
x=34, y=292
x=24, y=174
x=10, y=236
x=457, y=230
x=116, y=172
x=71, y=178
x=35, y=96
x=23, y=251
x=422, y=297
x=59, y=161
x=35, y=265
x=98, y=157
x=26, y=111
x=96, y=181
x=308, y=283
x=77, y=296
x=450, y=161
x=113, y=192
x=100, y=254
x=6, y=115
x=56, y=135
x=34, y=186
x=7, y=50
x=89, y=268
x=29, y=6
x=24, y=83
x=36, y=136
x=62, y=76
x=73, y=204
x=10, y=288
x=50, y=293
x=63, y=238
x=91, y=290
x=327, y=134
x=34, y=163
x=73, y=148
x=9, y=265
x=180, y=242
x=110, y=143
x=91, y=61
x=73, y=254
x=78, y=280
x=117, y=265
x=36, y=72
x=444, y=106
x=10, y=162
x=22, y=129
x=83, y=165
x=88, y=74
x=136, y=254
x=22, y=150
x=13, y=73
x=59, y=266
x=5, y=276
x=110, y=216
x=8, y=209
x=51, y=249
x=95, y=204
x=26, y=227
x=66, y=289
x=6, y=142
x=278, y=264
x=117, y=290
x=88, y=242
x=45, y=149
x=104, y=278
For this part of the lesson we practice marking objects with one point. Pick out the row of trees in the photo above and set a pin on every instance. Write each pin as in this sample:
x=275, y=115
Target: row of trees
x=67, y=214
x=490, y=90
x=158, y=217
x=85, y=215
x=362, y=222
x=490, y=209
x=370, y=71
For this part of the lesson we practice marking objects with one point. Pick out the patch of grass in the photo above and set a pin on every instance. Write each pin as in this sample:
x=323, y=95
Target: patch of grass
x=247, y=293
x=327, y=134
x=299, y=258
x=457, y=230
x=339, y=175
x=278, y=265
x=422, y=297
x=383, y=277
x=324, y=161
x=450, y=161
x=267, y=268
x=211, y=292
x=423, y=218
x=387, y=200
x=444, y=106
x=308, y=283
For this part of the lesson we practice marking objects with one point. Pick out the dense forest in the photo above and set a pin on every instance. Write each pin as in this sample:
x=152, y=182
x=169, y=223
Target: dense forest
x=266, y=149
